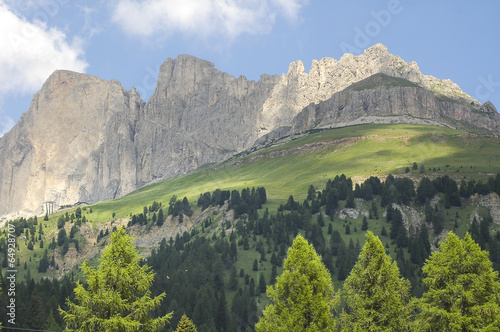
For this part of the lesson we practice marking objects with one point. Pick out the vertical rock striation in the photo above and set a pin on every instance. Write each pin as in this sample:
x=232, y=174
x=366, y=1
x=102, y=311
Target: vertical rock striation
x=75, y=143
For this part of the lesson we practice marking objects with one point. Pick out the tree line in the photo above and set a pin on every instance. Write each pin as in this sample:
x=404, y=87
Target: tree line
x=200, y=266
x=463, y=293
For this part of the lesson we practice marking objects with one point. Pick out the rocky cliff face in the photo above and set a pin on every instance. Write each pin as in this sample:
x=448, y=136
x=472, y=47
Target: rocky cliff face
x=74, y=144
x=197, y=115
x=87, y=139
x=297, y=89
x=382, y=96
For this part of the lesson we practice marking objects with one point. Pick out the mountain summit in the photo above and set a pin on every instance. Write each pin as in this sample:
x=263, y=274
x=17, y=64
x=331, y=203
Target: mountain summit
x=85, y=139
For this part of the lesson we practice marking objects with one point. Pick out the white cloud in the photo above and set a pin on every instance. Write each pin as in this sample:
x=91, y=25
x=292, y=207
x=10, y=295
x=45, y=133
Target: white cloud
x=31, y=51
x=228, y=18
x=291, y=9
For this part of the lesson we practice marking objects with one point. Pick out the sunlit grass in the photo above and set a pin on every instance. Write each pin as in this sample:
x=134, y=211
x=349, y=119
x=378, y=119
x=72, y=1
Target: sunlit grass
x=373, y=150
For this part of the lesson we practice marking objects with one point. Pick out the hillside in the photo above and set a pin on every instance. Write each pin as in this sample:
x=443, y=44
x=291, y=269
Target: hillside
x=288, y=166
x=223, y=231
x=214, y=177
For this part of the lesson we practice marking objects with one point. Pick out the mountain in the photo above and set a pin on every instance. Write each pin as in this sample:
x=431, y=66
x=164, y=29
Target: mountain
x=75, y=143
x=386, y=99
x=85, y=139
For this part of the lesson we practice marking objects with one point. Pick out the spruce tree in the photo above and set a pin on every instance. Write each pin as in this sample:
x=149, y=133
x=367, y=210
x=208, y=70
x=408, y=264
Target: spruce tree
x=364, y=226
x=36, y=311
x=186, y=325
x=311, y=193
x=51, y=324
x=118, y=296
x=160, y=219
x=262, y=283
x=255, y=265
x=464, y=290
x=376, y=294
x=303, y=296
x=221, y=313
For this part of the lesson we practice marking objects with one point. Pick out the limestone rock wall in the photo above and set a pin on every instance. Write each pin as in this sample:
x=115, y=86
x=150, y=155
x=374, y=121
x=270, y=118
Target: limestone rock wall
x=347, y=106
x=75, y=143
x=298, y=89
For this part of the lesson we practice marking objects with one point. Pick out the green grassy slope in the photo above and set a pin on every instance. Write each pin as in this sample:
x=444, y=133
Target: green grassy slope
x=379, y=80
x=292, y=164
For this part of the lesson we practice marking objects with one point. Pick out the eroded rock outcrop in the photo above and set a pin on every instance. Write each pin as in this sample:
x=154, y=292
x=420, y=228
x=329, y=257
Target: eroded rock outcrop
x=298, y=89
x=75, y=143
x=395, y=102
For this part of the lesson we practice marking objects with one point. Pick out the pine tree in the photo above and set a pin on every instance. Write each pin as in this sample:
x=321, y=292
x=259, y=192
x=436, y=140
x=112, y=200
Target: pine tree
x=61, y=237
x=321, y=221
x=36, y=311
x=383, y=231
x=160, y=219
x=51, y=324
x=364, y=226
x=376, y=294
x=233, y=279
x=311, y=193
x=335, y=242
x=464, y=290
x=303, y=296
x=255, y=265
x=262, y=283
x=118, y=296
x=221, y=314
x=186, y=325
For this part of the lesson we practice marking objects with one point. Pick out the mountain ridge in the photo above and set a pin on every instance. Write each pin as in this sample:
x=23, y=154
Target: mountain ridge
x=196, y=115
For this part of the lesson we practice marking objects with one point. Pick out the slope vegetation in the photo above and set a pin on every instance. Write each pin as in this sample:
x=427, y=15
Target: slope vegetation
x=289, y=165
x=285, y=167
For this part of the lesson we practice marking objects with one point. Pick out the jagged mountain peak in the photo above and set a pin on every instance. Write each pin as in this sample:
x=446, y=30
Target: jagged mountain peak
x=377, y=49
x=329, y=76
x=489, y=107
x=68, y=77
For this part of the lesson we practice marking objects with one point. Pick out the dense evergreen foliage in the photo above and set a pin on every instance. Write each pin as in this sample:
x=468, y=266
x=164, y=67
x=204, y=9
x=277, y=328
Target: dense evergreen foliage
x=218, y=272
x=118, y=296
x=376, y=295
x=464, y=290
x=303, y=297
x=186, y=325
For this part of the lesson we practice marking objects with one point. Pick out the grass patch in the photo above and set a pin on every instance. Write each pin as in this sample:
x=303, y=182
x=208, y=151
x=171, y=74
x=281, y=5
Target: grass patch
x=378, y=80
x=371, y=150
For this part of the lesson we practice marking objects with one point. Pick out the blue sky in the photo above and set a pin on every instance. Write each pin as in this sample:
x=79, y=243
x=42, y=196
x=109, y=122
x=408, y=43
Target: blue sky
x=128, y=40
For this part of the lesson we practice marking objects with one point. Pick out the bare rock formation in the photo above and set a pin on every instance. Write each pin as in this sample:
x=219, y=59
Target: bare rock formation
x=297, y=89
x=196, y=115
x=75, y=143
x=384, y=96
